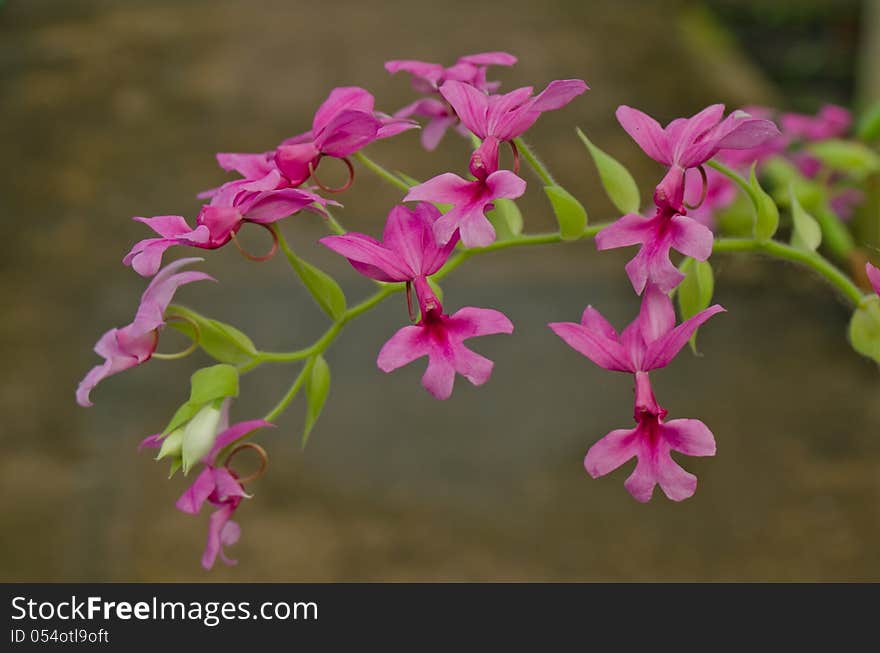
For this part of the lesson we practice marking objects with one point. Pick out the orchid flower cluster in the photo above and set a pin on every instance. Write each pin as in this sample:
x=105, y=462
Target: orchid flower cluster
x=709, y=199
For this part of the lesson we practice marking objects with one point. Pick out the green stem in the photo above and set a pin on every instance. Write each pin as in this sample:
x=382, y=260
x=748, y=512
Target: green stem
x=785, y=252
x=291, y=393
x=377, y=169
x=532, y=159
x=517, y=241
x=333, y=223
x=322, y=343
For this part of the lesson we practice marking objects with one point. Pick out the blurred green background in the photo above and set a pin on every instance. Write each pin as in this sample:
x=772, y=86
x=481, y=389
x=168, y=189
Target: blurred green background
x=114, y=108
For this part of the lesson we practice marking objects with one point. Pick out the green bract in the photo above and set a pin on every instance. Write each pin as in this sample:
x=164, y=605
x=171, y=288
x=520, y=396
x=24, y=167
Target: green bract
x=570, y=213
x=864, y=328
x=616, y=179
x=221, y=341
x=317, y=389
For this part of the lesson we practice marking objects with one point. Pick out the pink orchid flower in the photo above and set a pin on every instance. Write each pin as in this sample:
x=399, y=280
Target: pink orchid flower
x=217, y=224
x=428, y=77
x=470, y=201
x=219, y=486
x=411, y=252
x=873, y=276
x=831, y=121
x=441, y=338
x=657, y=235
x=651, y=442
x=498, y=118
x=343, y=124
x=408, y=251
x=131, y=345
x=690, y=142
x=650, y=342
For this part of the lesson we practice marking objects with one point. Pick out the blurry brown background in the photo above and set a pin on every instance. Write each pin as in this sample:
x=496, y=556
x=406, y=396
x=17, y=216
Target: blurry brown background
x=113, y=109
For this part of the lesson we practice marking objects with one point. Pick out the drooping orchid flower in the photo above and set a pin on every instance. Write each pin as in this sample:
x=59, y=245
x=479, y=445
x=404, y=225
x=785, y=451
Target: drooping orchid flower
x=657, y=235
x=217, y=224
x=131, y=345
x=651, y=442
x=499, y=118
x=650, y=342
x=494, y=119
x=217, y=484
x=690, y=142
x=427, y=79
x=441, y=338
x=346, y=122
x=410, y=252
x=831, y=121
x=470, y=201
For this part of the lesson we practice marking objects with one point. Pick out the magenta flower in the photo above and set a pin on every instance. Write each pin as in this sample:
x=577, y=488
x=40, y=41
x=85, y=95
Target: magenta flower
x=219, y=486
x=657, y=235
x=410, y=252
x=873, y=276
x=651, y=442
x=650, y=342
x=498, y=118
x=217, y=224
x=690, y=142
x=470, y=201
x=343, y=124
x=131, y=345
x=470, y=69
x=428, y=77
x=831, y=121
x=441, y=338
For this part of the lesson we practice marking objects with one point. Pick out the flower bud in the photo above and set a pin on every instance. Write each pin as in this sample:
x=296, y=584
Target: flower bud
x=199, y=435
x=171, y=445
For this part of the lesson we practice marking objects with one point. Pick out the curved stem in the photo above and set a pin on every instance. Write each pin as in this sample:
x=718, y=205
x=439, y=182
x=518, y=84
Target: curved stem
x=290, y=394
x=532, y=159
x=333, y=223
x=816, y=262
x=376, y=169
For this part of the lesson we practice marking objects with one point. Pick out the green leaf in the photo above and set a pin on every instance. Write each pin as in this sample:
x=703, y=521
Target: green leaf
x=317, y=389
x=848, y=156
x=806, y=233
x=570, y=214
x=864, y=328
x=215, y=382
x=766, y=211
x=221, y=341
x=322, y=286
x=206, y=385
x=868, y=128
x=506, y=218
x=618, y=183
x=695, y=291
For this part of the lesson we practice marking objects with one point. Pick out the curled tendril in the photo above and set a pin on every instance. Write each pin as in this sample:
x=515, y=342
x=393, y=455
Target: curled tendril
x=515, y=152
x=314, y=174
x=197, y=334
x=703, y=193
x=253, y=257
x=264, y=461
